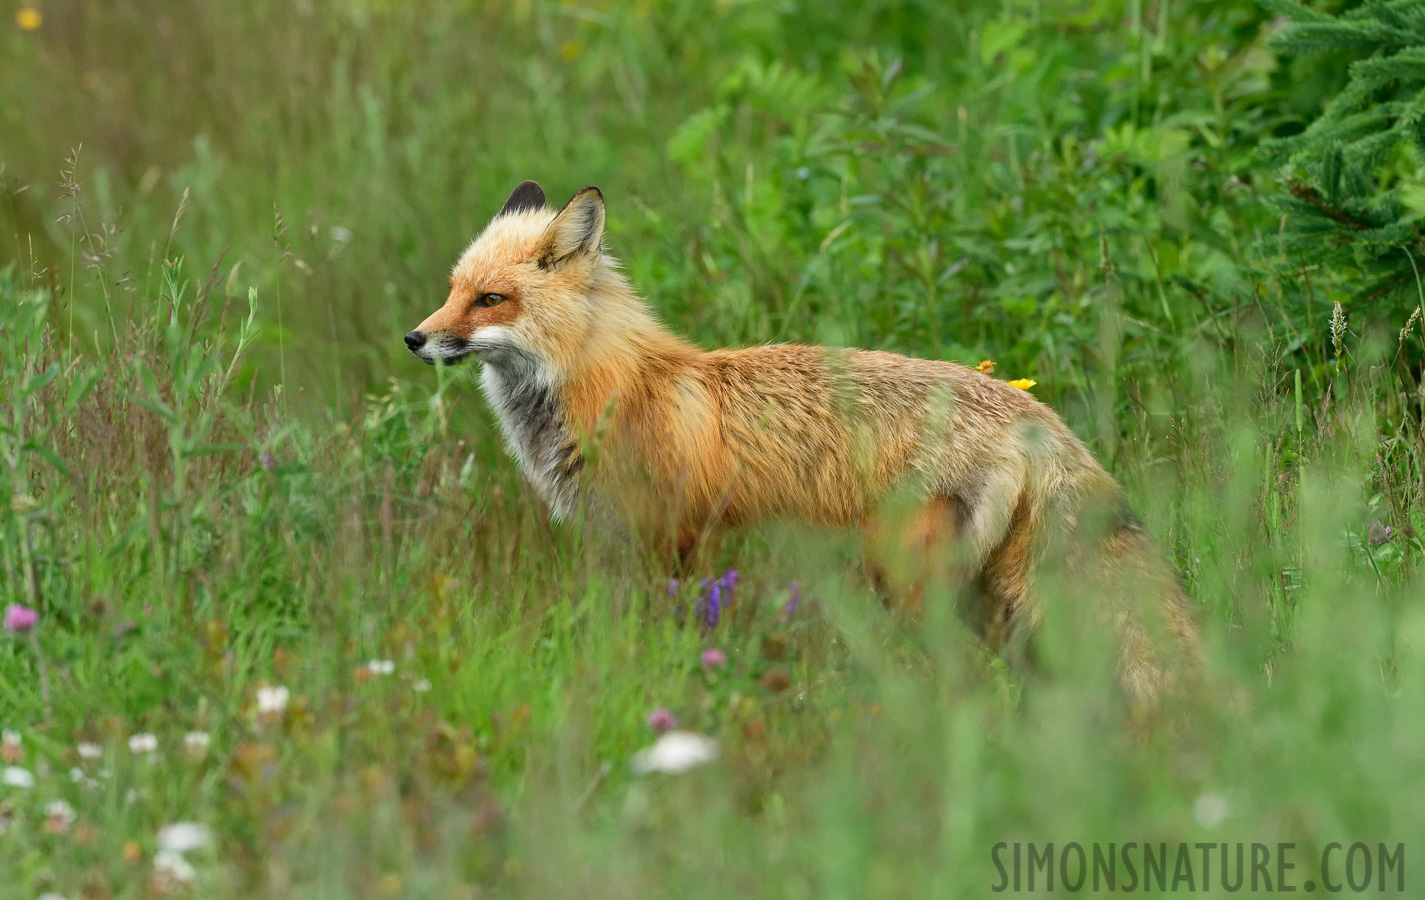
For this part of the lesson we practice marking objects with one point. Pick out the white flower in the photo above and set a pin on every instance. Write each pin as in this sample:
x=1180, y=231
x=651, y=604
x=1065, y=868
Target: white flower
x=16, y=776
x=172, y=870
x=90, y=751
x=60, y=811
x=11, y=737
x=675, y=751
x=380, y=667
x=420, y=685
x=143, y=742
x=196, y=741
x=181, y=837
x=77, y=776
x=1210, y=810
x=272, y=699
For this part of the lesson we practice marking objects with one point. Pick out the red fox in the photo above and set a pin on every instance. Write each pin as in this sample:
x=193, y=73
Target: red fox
x=605, y=408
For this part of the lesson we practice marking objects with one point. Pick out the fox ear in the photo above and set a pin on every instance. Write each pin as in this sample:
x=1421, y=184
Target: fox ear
x=527, y=196
x=577, y=230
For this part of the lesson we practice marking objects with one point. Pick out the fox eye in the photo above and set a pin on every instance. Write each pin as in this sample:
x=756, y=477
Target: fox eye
x=487, y=300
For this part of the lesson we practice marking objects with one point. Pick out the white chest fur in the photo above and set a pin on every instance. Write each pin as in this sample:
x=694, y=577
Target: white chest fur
x=536, y=429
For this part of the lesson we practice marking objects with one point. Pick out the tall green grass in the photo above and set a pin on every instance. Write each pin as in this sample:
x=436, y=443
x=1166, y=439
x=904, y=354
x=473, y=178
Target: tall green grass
x=222, y=472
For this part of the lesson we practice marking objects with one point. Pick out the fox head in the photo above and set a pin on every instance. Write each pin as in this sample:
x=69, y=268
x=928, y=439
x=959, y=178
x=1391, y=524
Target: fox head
x=532, y=288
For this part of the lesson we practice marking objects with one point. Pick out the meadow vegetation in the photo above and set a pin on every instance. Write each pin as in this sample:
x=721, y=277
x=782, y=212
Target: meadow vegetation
x=290, y=587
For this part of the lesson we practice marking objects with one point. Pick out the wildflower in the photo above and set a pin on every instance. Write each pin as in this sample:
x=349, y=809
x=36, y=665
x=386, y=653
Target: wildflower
x=143, y=742
x=420, y=685
x=672, y=590
x=16, y=776
x=197, y=742
x=1023, y=384
x=265, y=460
x=794, y=599
x=1210, y=810
x=714, y=658
x=59, y=815
x=381, y=667
x=20, y=619
x=29, y=18
x=1379, y=533
x=673, y=752
x=181, y=837
x=90, y=751
x=714, y=608
x=272, y=700
x=171, y=872
x=987, y=366
x=78, y=776
x=662, y=720
x=10, y=749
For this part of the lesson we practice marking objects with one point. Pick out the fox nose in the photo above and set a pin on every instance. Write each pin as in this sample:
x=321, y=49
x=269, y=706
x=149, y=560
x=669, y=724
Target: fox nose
x=415, y=341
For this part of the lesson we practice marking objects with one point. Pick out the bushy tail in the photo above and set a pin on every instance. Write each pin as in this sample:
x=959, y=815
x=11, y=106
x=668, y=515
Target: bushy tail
x=1159, y=646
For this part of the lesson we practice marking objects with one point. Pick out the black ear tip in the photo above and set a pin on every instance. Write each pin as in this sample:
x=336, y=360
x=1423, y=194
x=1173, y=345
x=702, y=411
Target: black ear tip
x=527, y=195
x=592, y=189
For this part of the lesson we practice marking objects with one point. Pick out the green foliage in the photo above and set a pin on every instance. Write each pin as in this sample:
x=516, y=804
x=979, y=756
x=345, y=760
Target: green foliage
x=1354, y=176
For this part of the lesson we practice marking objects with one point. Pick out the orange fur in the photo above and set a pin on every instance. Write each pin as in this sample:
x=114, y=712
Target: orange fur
x=684, y=441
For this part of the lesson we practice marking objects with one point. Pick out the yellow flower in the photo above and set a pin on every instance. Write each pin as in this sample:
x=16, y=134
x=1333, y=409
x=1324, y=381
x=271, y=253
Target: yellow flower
x=987, y=366
x=1023, y=384
x=29, y=18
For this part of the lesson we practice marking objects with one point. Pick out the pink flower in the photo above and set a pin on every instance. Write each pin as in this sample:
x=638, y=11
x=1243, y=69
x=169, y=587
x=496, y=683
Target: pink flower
x=20, y=618
x=714, y=658
x=661, y=720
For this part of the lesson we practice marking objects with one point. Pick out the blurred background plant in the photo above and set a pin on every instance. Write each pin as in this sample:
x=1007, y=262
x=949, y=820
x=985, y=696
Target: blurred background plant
x=1193, y=224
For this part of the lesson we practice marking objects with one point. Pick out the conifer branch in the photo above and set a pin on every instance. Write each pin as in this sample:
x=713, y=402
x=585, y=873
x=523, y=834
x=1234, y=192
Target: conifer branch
x=1311, y=196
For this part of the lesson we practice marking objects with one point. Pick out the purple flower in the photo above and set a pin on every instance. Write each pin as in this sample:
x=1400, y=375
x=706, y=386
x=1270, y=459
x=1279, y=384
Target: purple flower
x=794, y=599
x=714, y=658
x=714, y=607
x=1379, y=533
x=661, y=720
x=672, y=588
x=20, y=619
x=265, y=460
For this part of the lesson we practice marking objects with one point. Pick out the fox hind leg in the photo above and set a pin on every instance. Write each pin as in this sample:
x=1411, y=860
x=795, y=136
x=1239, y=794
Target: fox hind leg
x=913, y=546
